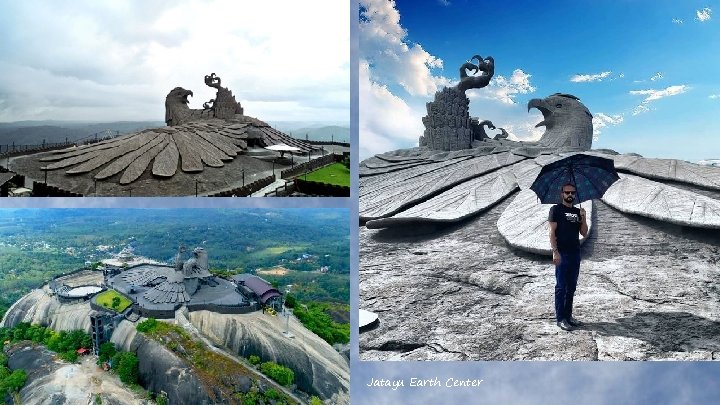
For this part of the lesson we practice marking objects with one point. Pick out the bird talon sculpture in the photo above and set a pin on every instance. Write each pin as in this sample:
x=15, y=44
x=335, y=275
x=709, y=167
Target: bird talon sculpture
x=448, y=125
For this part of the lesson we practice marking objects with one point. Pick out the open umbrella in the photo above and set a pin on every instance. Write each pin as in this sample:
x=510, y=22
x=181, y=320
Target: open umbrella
x=591, y=175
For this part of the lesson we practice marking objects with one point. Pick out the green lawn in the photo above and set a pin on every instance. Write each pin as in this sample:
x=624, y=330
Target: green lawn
x=105, y=299
x=336, y=174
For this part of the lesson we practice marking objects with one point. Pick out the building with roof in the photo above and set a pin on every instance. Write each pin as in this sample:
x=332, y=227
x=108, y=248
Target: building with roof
x=259, y=289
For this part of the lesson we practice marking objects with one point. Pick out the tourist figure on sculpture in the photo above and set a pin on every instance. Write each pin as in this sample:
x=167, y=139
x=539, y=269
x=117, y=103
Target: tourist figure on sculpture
x=566, y=221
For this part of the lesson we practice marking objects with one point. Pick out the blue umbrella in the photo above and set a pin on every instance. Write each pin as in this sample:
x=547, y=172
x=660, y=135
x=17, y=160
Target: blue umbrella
x=591, y=175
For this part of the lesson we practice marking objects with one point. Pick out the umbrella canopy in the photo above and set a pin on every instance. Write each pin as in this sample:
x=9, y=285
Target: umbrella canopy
x=591, y=175
x=281, y=147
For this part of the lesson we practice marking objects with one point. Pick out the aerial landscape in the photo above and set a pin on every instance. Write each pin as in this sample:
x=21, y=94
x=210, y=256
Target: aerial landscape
x=175, y=305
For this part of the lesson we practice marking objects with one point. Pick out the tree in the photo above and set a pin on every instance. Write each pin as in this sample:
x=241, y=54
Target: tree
x=106, y=352
x=126, y=365
x=70, y=356
x=14, y=381
x=115, y=302
x=290, y=301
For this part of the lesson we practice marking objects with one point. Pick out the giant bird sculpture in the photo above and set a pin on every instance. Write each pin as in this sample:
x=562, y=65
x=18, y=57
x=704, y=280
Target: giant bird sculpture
x=193, y=140
x=454, y=251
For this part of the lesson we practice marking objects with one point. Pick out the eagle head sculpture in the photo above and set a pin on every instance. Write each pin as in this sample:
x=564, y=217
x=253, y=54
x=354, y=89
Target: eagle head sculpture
x=568, y=123
x=176, y=106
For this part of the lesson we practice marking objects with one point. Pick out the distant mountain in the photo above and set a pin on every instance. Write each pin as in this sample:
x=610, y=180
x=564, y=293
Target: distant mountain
x=315, y=131
x=49, y=131
x=336, y=133
x=35, y=132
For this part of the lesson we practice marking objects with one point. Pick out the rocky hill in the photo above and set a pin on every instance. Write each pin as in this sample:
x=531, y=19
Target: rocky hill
x=56, y=382
x=318, y=368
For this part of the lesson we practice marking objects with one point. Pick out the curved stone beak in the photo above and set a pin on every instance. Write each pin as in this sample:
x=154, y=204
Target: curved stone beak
x=188, y=93
x=544, y=108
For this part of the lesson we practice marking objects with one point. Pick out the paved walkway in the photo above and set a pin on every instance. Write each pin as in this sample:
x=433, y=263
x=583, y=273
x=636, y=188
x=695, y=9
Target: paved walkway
x=270, y=187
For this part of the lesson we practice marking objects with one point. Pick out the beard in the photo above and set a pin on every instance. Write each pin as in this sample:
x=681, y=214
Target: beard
x=569, y=199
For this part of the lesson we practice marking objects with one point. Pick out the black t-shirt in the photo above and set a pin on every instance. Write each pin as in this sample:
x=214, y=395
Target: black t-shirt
x=568, y=227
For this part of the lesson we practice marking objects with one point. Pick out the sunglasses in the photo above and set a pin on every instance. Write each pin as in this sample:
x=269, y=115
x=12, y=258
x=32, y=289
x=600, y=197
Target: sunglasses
x=569, y=192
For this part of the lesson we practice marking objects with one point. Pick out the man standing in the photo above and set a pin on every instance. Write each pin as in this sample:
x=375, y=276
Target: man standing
x=566, y=222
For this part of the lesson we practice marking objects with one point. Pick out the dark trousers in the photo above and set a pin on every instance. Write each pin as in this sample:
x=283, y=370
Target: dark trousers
x=566, y=277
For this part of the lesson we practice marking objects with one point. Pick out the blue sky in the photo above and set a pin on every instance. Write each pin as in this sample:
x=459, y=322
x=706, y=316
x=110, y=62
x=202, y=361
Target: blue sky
x=646, y=70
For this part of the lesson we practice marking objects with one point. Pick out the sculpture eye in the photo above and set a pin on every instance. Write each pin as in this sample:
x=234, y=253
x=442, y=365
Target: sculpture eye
x=558, y=105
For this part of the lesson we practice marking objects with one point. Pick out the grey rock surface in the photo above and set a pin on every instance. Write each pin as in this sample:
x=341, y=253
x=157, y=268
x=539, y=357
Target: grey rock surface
x=39, y=307
x=647, y=291
x=53, y=382
x=462, y=201
x=669, y=169
x=319, y=368
x=382, y=196
x=160, y=369
x=636, y=195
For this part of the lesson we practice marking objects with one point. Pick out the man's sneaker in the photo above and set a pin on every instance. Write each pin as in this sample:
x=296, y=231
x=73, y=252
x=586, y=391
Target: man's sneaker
x=564, y=325
x=574, y=322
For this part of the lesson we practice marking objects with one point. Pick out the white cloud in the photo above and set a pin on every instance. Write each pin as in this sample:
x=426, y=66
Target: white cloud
x=444, y=2
x=504, y=89
x=714, y=96
x=677, y=21
x=581, y=78
x=601, y=120
x=656, y=76
x=703, y=14
x=653, y=95
x=383, y=44
x=639, y=109
x=525, y=130
x=386, y=121
x=124, y=57
x=390, y=120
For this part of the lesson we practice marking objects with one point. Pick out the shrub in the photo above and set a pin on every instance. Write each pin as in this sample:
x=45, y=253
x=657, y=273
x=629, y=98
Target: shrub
x=252, y=398
x=272, y=394
x=281, y=374
x=126, y=365
x=13, y=382
x=69, y=356
x=315, y=400
x=147, y=325
x=254, y=360
x=161, y=399
x=290, y=301
x=319, y=322
x=106, y=352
